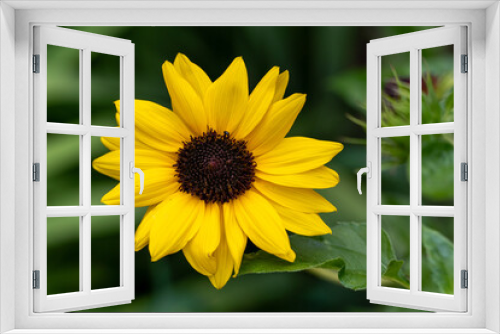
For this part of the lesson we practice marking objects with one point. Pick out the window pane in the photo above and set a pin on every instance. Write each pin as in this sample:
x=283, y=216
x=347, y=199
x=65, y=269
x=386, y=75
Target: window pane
x=105, y=88
x=63, y=170
x=437, y=169
x=105, y=252
x=105, y=171
x=395, y=74
x=395, y=245
x=437, y=85
x=395, y=182
x=63, y=255
x=437, y=254
x=63, y=85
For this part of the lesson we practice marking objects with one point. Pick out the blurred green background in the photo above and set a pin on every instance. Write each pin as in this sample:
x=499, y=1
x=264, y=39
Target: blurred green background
x=326, y=63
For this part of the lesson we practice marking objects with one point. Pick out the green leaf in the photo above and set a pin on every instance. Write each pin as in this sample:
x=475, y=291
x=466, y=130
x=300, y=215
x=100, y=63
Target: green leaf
x=357, y=121
x=438, y=264
x=437, y=168
x=344, y=250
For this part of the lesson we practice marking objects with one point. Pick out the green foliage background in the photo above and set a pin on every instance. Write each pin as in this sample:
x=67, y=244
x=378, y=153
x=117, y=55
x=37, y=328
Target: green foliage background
x=326, y=63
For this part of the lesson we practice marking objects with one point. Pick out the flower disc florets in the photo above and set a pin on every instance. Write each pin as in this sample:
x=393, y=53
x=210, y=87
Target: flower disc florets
x=215, y=167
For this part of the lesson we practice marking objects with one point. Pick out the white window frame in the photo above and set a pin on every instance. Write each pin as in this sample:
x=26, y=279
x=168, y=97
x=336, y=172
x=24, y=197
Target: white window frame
x=16, y=21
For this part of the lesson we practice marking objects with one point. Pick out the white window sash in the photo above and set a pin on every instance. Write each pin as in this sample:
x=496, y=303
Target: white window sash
x=414, y=297
x=86, y=297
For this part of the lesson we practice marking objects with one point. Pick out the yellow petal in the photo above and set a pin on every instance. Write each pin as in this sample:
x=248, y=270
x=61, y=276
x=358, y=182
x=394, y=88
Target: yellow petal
x=193, y=74
x=236, y=239
x=109, y=163
x=258, y=104
x=296, y=155
x=224, y=265
x=176, y=221
x=111, y=143
x=158, y=127
x=303, y=200
x=185, y=101
x=200, y=250
x=318, y=178
x=149, y=159
x=143, y=230
x=308, y=224
x=275, y=124
x=262, y=224
x=281, y=84
x=158, y=185
x=226, y=99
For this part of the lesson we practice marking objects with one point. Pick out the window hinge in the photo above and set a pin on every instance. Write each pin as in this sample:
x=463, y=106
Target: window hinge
x=465, y=64
x=36, y=172
x=36, y=63
x=465, y=279
x=36, y=279
x=464, y=171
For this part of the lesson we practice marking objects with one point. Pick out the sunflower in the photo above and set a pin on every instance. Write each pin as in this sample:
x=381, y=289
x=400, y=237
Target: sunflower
x=219, y=170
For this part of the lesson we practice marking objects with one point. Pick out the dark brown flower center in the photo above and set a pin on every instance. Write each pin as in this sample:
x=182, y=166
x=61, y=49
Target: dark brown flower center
x=215, y=167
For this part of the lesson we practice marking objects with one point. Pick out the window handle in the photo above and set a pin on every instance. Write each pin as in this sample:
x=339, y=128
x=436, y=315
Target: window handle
x=368, y=171
x=141, y=176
